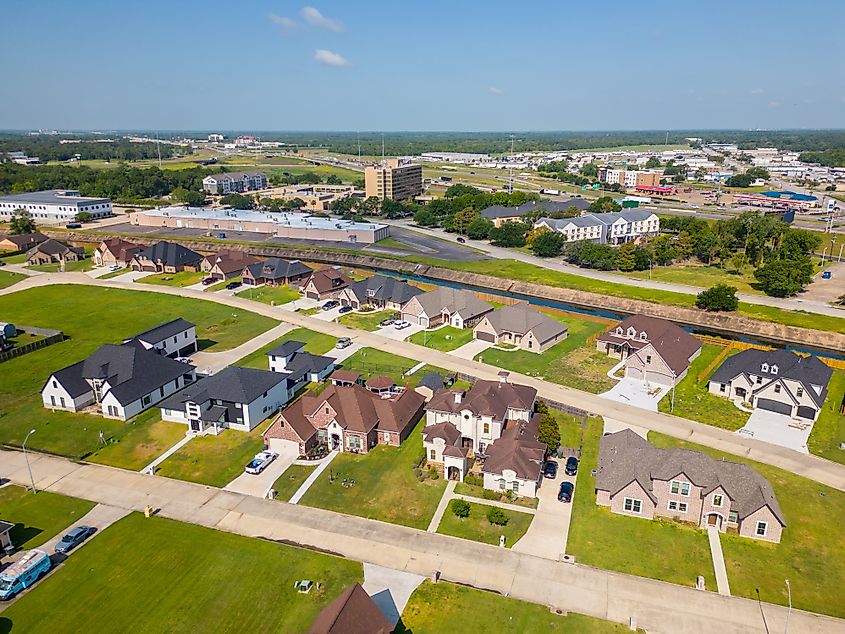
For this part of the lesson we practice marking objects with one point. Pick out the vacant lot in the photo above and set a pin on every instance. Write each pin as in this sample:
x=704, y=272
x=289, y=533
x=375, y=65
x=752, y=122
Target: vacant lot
x=290, y=481
x=273, y=295
x=385, y=488
x=477, y=528
x=91, y=316
x=315, y=343
x=810, y=549
x=703, y=276
x=146, y=439
x=153, y=575
x=829, y=430
x=38, y=517
x=365, y=321
x=181, y=279
x=445, y=339
x=7, y=278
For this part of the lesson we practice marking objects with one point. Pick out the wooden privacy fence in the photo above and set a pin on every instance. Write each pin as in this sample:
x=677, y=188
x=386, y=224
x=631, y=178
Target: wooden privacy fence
x=18, y=351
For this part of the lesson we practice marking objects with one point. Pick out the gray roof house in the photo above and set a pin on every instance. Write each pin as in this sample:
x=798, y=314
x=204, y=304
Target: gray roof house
x=445, y=305
x=166, y=257
x=636, y=478
x=778, y=381
x=299, y=366
x=53, y=251
x=174, y=338
x=522, y=326
x=276, y=272
x=379, y=291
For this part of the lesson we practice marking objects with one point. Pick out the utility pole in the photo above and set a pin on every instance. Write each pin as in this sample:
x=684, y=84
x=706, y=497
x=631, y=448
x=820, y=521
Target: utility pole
x=789, y=609
x=510, y=168
x=26, y=457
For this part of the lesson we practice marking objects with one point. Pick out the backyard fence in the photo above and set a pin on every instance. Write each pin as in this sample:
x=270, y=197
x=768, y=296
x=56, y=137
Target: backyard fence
x=54, y=336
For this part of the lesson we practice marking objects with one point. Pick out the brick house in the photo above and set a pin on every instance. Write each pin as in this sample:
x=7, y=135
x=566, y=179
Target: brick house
x=276, y=272
x=226, y=264
x=166, y=257
x=116, y=252
x=325, y=284
x=51, y=251
x=522, y=326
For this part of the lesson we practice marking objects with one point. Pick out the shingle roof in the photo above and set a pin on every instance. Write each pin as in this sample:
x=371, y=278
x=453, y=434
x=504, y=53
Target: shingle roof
x=345, y=376
x=550, y=206
x=518, y=450
x=379, y=382
x=445, y=431
x=302, y=363
x=522, y=319
x=121, y=249
x=170, y=254
x=353, y=612
x=234, y=175
x=230, y=261
x=328, y=279
x=52, y=247
x=384, y=288
x=163, y=331
x=25, y=240
x=72, y=381
x=277, y=268
x=485, y=398
x=456, y=301
x=624, y=457
x=286, y=348
x=432, y=380
x=233, y=384
x=674, y=345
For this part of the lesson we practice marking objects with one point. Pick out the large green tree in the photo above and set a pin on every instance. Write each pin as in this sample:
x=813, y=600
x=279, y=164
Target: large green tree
x=479, y=228
x=604, y=204
x=510, y=234
x=718, y=298
x=548, y=244
x=22, y=223
x=548, y=432
x=784, y=278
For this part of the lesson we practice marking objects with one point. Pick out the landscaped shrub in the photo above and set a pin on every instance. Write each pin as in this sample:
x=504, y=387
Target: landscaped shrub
x=490, y=495
x=474, y=480
x=366, y=308
x=432, y=473
x=461, y=508
x=497, y=516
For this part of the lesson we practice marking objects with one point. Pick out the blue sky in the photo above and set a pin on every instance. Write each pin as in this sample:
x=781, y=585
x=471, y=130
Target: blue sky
x=434, y=65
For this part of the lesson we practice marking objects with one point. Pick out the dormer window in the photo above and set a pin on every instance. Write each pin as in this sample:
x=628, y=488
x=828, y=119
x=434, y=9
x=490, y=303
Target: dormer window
x=774, y=369
x=632, y=332
x=643, y=335
x=765, y=367
x=619, y=330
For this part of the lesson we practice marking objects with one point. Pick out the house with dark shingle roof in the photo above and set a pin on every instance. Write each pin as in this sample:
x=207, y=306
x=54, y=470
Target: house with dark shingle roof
x=51, y=251
x=444, y=305
x=638, y=479
x=778, y=381
x=174, y=338
x=116, y=252
x=500, y=215
x=654, y=350
x=299, y=366
x=378, y=291
x=325, y=284
x=22, y=242
x=515, y=460
x=353, y=612
x=119, y=381
x=276, y=272
x=166, y=257
x=522, y=326
x=226, y=264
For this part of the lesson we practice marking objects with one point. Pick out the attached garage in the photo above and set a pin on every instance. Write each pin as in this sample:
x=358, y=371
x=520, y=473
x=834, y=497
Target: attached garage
x=414, y=320
x=805, y=411
x=633, y=373
x=312, y=295
x=485, y=336
x=774, y=406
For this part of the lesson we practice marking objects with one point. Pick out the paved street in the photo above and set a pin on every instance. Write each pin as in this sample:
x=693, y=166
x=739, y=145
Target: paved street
x=210, y=362
x=656, y=606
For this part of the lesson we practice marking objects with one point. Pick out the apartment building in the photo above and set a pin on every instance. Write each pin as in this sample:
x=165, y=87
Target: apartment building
x=393, y=179
x=605, y=228
x=234, y=182
x=630, y=179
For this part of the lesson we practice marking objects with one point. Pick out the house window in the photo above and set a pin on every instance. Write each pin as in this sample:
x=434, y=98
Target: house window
x=762, y=527
x=759, y=380
x=642, y=336
x=800, y=392
x=516, y=487
x=765, y=367
x=146, y=400
x=502, y=484
x=52, y=400
x=681, y=507
x=717, y=500
x=327, y=410
x=486, y=428
x=679, y=487
x=733, y=517
x=632, y=505
x=433, y=455
x=721, y=387
x=55, y=385
x=777, y=388
x=62, y=400
x=648, y=358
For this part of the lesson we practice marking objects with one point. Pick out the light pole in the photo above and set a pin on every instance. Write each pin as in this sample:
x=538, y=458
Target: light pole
x=26, y=457
x=789, y=609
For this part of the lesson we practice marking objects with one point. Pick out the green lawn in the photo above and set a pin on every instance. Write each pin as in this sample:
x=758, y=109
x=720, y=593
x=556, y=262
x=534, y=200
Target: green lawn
x=345, y=175
x=476, y=491
x=181, y=279
x=70, y=308
x=444, y=339
x=147, y=438
x=38, y=517
x=659, y=549
x=572, y=362
x=7, y=278
x=290, y=481
x=214, y=460
x=153, y=575
x=365, y=321
x=385, y=488
x=309, y=312
x=694, y=401
x=369, y=362
x=446, y=608
x=810, y=553
x=273, y=295
x=219, y=286
x=85, y=264
x=315, y=343
x=17, y=258
x=112, y=274
x=829, y=430
x=703, y=276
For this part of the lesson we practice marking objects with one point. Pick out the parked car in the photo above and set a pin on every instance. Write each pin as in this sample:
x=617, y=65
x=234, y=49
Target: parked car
x=182, y=359
x=2, y=263
x=344, y=309
x=232, y=285
x=114, y=267
x=73, y=225
x=384, y=323
x=571, y=466
x=550, y=469
x=261, y=461
x=75, y=537
x=208, y=281
x=221, y=235
x=332, y=303
x=565, y=492
x=399, y=325
x=461, y=240
x=343, y=342
x=826, y=275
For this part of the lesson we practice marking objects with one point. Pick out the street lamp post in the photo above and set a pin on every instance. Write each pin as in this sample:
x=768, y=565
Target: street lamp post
x=26, y=457
x=789, y=609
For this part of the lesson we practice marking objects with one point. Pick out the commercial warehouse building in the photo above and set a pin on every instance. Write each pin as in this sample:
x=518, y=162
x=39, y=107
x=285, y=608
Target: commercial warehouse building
x=282, y=224
x=54, y=205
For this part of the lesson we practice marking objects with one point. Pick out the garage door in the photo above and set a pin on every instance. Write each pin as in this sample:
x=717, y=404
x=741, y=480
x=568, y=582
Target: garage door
x=656, y=377
x=633, y=373
x=485, y=336
x=312, y=295
x=774, y=406
x=805, y=411
x=411, y=319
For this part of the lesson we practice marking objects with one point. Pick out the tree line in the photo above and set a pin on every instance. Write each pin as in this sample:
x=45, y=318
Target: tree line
x=49, y=149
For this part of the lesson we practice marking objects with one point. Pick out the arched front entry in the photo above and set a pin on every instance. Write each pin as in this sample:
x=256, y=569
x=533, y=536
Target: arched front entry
x=453, y=473
x=335, y=441
x=714, y=519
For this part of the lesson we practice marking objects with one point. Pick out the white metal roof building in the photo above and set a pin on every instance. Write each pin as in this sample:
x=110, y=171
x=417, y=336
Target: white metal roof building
x=54, y=205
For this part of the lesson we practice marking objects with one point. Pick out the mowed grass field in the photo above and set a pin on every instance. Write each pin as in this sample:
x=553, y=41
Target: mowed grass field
x=7, y=278
x=159, y=575
x=370, y=362
x=275, y=295
x=445, y=339
x=91, y=316
x=38, y=517
x=829, y=430
x=146, y=439
x=315, y=343
x=290, y=481
x=703, y=276
x=477, y=528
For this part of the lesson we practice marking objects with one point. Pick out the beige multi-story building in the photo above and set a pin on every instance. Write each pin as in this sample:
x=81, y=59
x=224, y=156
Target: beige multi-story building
x=393, y=179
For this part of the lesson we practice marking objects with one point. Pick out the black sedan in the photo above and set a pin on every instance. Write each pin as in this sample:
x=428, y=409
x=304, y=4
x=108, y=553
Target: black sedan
x=75, y=537
x=571, y=466
x=550, y=469
x=565, y=493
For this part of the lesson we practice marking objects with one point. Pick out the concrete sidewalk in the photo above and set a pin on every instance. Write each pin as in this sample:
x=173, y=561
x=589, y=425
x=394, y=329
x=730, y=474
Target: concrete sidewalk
x=441, y=507
x=312, y=477
x=184, y=441
x=718, y=561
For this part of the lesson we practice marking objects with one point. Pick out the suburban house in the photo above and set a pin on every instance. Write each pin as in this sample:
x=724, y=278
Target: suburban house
x=174, y=338
x=348, y=418
x=325, y=284
x=636, y=478
x=614, y=227
x=225, y=264
x=120, y=381
x=774, y=380
x=444, y=305
x=53, y=251
x=234, y=182
x=515, y=460
x=654, y=350
x=353, y=612
x=345, y=378
x=22, y=242
x=116, y=252
x=459, y=422
x=166, y=257
x=276, y=272
x=235, y=398
x=522, y=326
x=500, y=215
x=378, y=291
x=300, y=367
x=430, y=383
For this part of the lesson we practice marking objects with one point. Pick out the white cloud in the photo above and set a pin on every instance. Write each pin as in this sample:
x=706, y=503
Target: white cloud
x=329, y=58
x=315, y=18
x=495, y=90
x=282, y=21
x=757, y=91
x=774, y=104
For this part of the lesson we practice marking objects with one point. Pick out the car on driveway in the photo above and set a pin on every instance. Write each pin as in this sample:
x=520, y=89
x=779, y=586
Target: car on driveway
x=344, y=309
x=115, y=267
x=399, y=325
x=826, y=275
x=183, y=359
x=384, y=323
x=332, y=303
x=550, y=469
x=73, y=538
x=571, y=466
x=261, y=461
x=565, y=492
x=232, y=285
x=343, y=342
x=208, y=281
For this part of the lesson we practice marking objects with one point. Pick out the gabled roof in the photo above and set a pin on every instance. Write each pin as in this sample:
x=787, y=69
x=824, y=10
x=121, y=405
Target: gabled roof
x=302, y=363
x=520, y=318
x=550, y=206
x=518, y=450
x=121, y=249
x=445, y=431
x=233, y=384
x=454, y=300
x=353, y=612
x=163, y=331
x=345, y=376
x=52, y=247
x=286, y=348
x=808, y=370
x=277, y=268
x=170, y=254
x=325, y=280
x=230, y=261
x=383, y=288
x=485, y=398
x=625, y=457
x=25, y=240
x=674, y=345
x=72, y=381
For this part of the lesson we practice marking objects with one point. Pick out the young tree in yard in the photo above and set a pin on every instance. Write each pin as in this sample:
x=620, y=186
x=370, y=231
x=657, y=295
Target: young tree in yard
x=479, y=229
x=625, y=257
x=497, y=516
x=22, y=223
x=718, y=298
x=603, y=204
x=784, y=278
x=510, y=234
x=548, y=244
x=461, y=508
x=83, y=216
x=548, y=432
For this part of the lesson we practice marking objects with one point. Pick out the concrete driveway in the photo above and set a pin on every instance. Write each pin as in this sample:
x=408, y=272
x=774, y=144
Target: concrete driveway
x=390, y=589
x=389, y=332
x=327, y=315
x=131, y=276
x=259, y=485
x=637, y=393
x=340, y=355
x=778, y=429
x=470, y=349
x=548, y=533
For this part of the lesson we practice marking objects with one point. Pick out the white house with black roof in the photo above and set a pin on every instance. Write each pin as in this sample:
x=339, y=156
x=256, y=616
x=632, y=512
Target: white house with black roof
x=120, y=381
x=300, y=367
x=175, y=338
x=234, y=398
x=779, y=381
